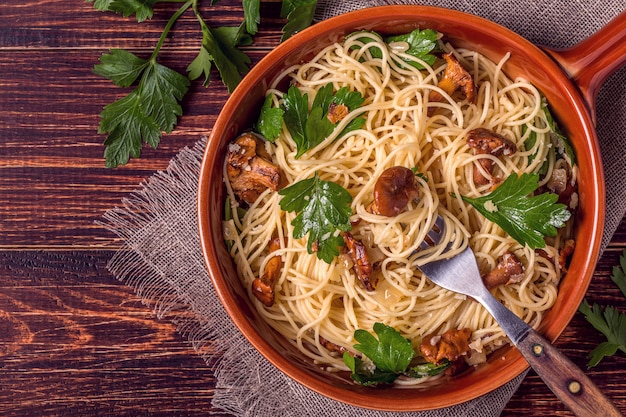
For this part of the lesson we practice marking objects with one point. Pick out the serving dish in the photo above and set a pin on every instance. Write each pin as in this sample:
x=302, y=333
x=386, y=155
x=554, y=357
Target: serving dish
x=570, y=80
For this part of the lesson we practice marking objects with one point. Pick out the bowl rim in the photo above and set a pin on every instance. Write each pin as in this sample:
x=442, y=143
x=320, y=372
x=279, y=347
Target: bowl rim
x=212, y=156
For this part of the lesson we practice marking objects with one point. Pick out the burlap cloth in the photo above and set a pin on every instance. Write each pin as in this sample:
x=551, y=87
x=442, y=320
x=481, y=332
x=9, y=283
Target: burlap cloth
x=162, y=259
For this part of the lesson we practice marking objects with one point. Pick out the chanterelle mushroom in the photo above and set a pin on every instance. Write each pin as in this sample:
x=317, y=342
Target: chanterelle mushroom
x=393, y=190
x=563, y=255
x=263, y=287
x=337, y=112
x=332, y=347
x=565, y=252
x=454, y=78
x=362, y=266
x=249, y=169
x=487, y=142
x=509, y=270
x=450, y=345
x=561, y=184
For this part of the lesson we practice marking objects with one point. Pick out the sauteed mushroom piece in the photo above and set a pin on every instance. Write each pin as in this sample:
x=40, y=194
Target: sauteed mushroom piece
x=330, y=346
x=565, y=252
x=450, y=345
x=263, y=287
x=362, y=266
x=561, y=184
x=393, y=190
x=249, y=169
x=454, y=78
x=509, y=270
x=487, y=142
x=337, y=112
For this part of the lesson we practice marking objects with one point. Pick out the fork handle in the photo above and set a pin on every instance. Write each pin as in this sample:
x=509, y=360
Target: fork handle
x=564, y=378
x=561, y=375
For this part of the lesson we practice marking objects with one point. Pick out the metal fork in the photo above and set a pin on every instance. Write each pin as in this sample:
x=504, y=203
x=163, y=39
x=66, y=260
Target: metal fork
x=460, y=274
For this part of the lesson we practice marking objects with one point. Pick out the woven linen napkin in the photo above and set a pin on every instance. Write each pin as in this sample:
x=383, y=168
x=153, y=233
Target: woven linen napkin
x=162, y=261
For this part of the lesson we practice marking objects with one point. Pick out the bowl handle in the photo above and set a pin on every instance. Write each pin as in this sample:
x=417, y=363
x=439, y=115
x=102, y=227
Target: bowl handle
x=590, y=62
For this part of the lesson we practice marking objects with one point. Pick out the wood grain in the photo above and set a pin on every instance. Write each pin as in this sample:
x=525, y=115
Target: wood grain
x=74, y=341
x=78, y=342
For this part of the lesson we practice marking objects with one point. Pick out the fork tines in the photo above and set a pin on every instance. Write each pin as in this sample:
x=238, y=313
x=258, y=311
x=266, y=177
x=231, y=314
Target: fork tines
x=434, y=235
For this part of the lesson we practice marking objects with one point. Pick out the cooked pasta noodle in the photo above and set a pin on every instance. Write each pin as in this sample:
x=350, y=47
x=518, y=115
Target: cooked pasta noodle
x=314, y=298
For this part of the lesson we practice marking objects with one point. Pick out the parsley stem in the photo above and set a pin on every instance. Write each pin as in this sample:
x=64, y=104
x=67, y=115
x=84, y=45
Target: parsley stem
x=169, y=25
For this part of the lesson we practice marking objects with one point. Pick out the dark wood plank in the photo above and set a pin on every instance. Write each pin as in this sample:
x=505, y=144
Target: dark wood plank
x=56, y=25
x=75, y=341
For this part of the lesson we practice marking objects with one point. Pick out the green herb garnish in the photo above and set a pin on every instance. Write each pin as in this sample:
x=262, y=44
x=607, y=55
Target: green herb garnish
x=608, y=320
x=391, y=355
x=270, y=120
x=390, y=352
x=323, y=209
x=153, y=106
x=299, y=15
x=527, y=219
x=563, y=145
x=421, y=44
x=309, y=127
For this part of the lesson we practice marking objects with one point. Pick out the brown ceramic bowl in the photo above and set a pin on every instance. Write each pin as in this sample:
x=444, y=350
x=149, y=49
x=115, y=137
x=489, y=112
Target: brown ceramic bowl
x=571, y=95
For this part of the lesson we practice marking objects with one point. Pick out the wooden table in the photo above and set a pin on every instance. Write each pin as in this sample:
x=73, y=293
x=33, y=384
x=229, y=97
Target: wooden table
x=73, y=339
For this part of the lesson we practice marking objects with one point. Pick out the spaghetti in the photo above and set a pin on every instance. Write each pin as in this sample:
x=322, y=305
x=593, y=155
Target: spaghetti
x=316, y=301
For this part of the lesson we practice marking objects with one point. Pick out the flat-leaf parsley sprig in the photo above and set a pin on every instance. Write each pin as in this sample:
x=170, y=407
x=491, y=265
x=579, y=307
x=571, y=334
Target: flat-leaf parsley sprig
x=309, y=126
x=608, y=320
x=391, y=355
x=526, y=218
x=154, y=105
x=324, y=211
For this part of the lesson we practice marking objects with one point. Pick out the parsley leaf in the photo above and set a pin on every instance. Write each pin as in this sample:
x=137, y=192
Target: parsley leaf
x=201, y=65
x=316, y=129
x=219, y=46
x=390, y=352
x=141, y=9
x=299, y=14
x=391, y=355
x=364, y=376
x=270, y=120
x=427, y=369
x=525, y=218
x=309, y=128
x=154, y=105
x=149, y=109
x=296, y=107
x=351, y=99
x=608, y=321
x=323, y=209
x=563, y=145
x=619, y=275
x=368, y=42
x=421, y=44
x=252, y=15
x=121, y=67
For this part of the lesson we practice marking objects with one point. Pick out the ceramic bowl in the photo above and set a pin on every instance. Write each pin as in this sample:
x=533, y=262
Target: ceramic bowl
x=569, y=79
